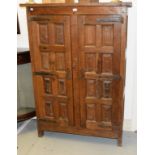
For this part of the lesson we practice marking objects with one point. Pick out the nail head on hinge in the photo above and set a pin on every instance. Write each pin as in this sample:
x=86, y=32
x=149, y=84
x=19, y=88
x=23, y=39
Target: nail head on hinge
x=74, y=9
x=31, y=9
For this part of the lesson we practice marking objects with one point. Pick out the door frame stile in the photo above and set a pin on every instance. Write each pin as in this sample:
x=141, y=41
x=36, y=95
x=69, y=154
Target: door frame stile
x=75, y=69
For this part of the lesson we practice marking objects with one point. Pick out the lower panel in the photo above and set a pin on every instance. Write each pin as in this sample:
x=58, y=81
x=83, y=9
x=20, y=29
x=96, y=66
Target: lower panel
x=45, y=125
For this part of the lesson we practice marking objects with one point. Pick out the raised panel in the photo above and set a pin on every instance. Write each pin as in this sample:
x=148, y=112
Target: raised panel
x=45, y=60
x=91, y=112
x=43, y=33
x=61, y=87
x=106, y=63
x=63, y=111
x=91, y=88
x=107, y=88
x=106, y=113
x=90, y=62
x=47, y=85
x=60, y=61
x=107, y=35
x=59, y=34
x=49, y=112
x=90, y=35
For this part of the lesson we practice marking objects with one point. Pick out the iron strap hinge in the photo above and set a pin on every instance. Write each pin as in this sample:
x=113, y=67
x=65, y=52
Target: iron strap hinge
x=44, y=73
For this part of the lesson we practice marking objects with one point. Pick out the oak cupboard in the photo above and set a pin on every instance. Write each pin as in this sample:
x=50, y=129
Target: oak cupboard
x=78, y=63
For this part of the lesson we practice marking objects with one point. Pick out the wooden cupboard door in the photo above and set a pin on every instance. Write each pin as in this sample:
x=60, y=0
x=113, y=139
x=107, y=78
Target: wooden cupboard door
x=99, y=71
x=51, y=60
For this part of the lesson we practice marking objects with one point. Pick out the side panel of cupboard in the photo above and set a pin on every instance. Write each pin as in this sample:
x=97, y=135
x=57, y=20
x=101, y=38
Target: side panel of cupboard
x=52, y=71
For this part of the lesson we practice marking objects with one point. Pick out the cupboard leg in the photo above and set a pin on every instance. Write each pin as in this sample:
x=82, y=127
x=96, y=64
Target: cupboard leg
x=119, y=141
x=40, y=133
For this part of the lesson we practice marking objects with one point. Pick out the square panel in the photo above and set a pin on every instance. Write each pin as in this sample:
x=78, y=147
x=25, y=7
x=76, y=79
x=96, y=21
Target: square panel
x=90, y=62
x=91, y=112
x=106, y=63
x=60, y=61
x=47, y=85
x=45, y=60
x=91, y=88
x=90, y=35
x=107, y=35
x=43, y=33
x=49, y=108
x=59, y=34
x=106, y=88
x=106, y=113
x=63, y=110
x=61, y=87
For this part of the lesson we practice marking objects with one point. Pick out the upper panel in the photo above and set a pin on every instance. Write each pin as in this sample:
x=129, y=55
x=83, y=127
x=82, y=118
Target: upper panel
x=118, y=4
x=50, y=43
x=76, y=8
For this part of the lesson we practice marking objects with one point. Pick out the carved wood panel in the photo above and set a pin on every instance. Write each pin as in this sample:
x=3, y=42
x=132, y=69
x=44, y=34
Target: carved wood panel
x=52, y=67
x=99, y=60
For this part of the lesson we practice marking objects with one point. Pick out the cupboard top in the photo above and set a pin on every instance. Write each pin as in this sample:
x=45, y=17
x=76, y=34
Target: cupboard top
x=110, y=4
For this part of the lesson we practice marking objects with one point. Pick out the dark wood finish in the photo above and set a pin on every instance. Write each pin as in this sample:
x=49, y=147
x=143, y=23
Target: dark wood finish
x=78, y=63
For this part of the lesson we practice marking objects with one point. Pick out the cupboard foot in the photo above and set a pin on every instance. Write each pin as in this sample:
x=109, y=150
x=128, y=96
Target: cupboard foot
x=40, y=133
x=119, y=141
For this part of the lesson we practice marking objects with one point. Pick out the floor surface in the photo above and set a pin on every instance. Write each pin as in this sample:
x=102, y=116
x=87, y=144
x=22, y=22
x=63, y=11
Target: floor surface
x=53, y=143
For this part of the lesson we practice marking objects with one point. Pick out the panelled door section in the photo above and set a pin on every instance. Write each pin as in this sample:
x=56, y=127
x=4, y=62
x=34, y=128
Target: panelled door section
x=99, y=58
x=51, y=59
